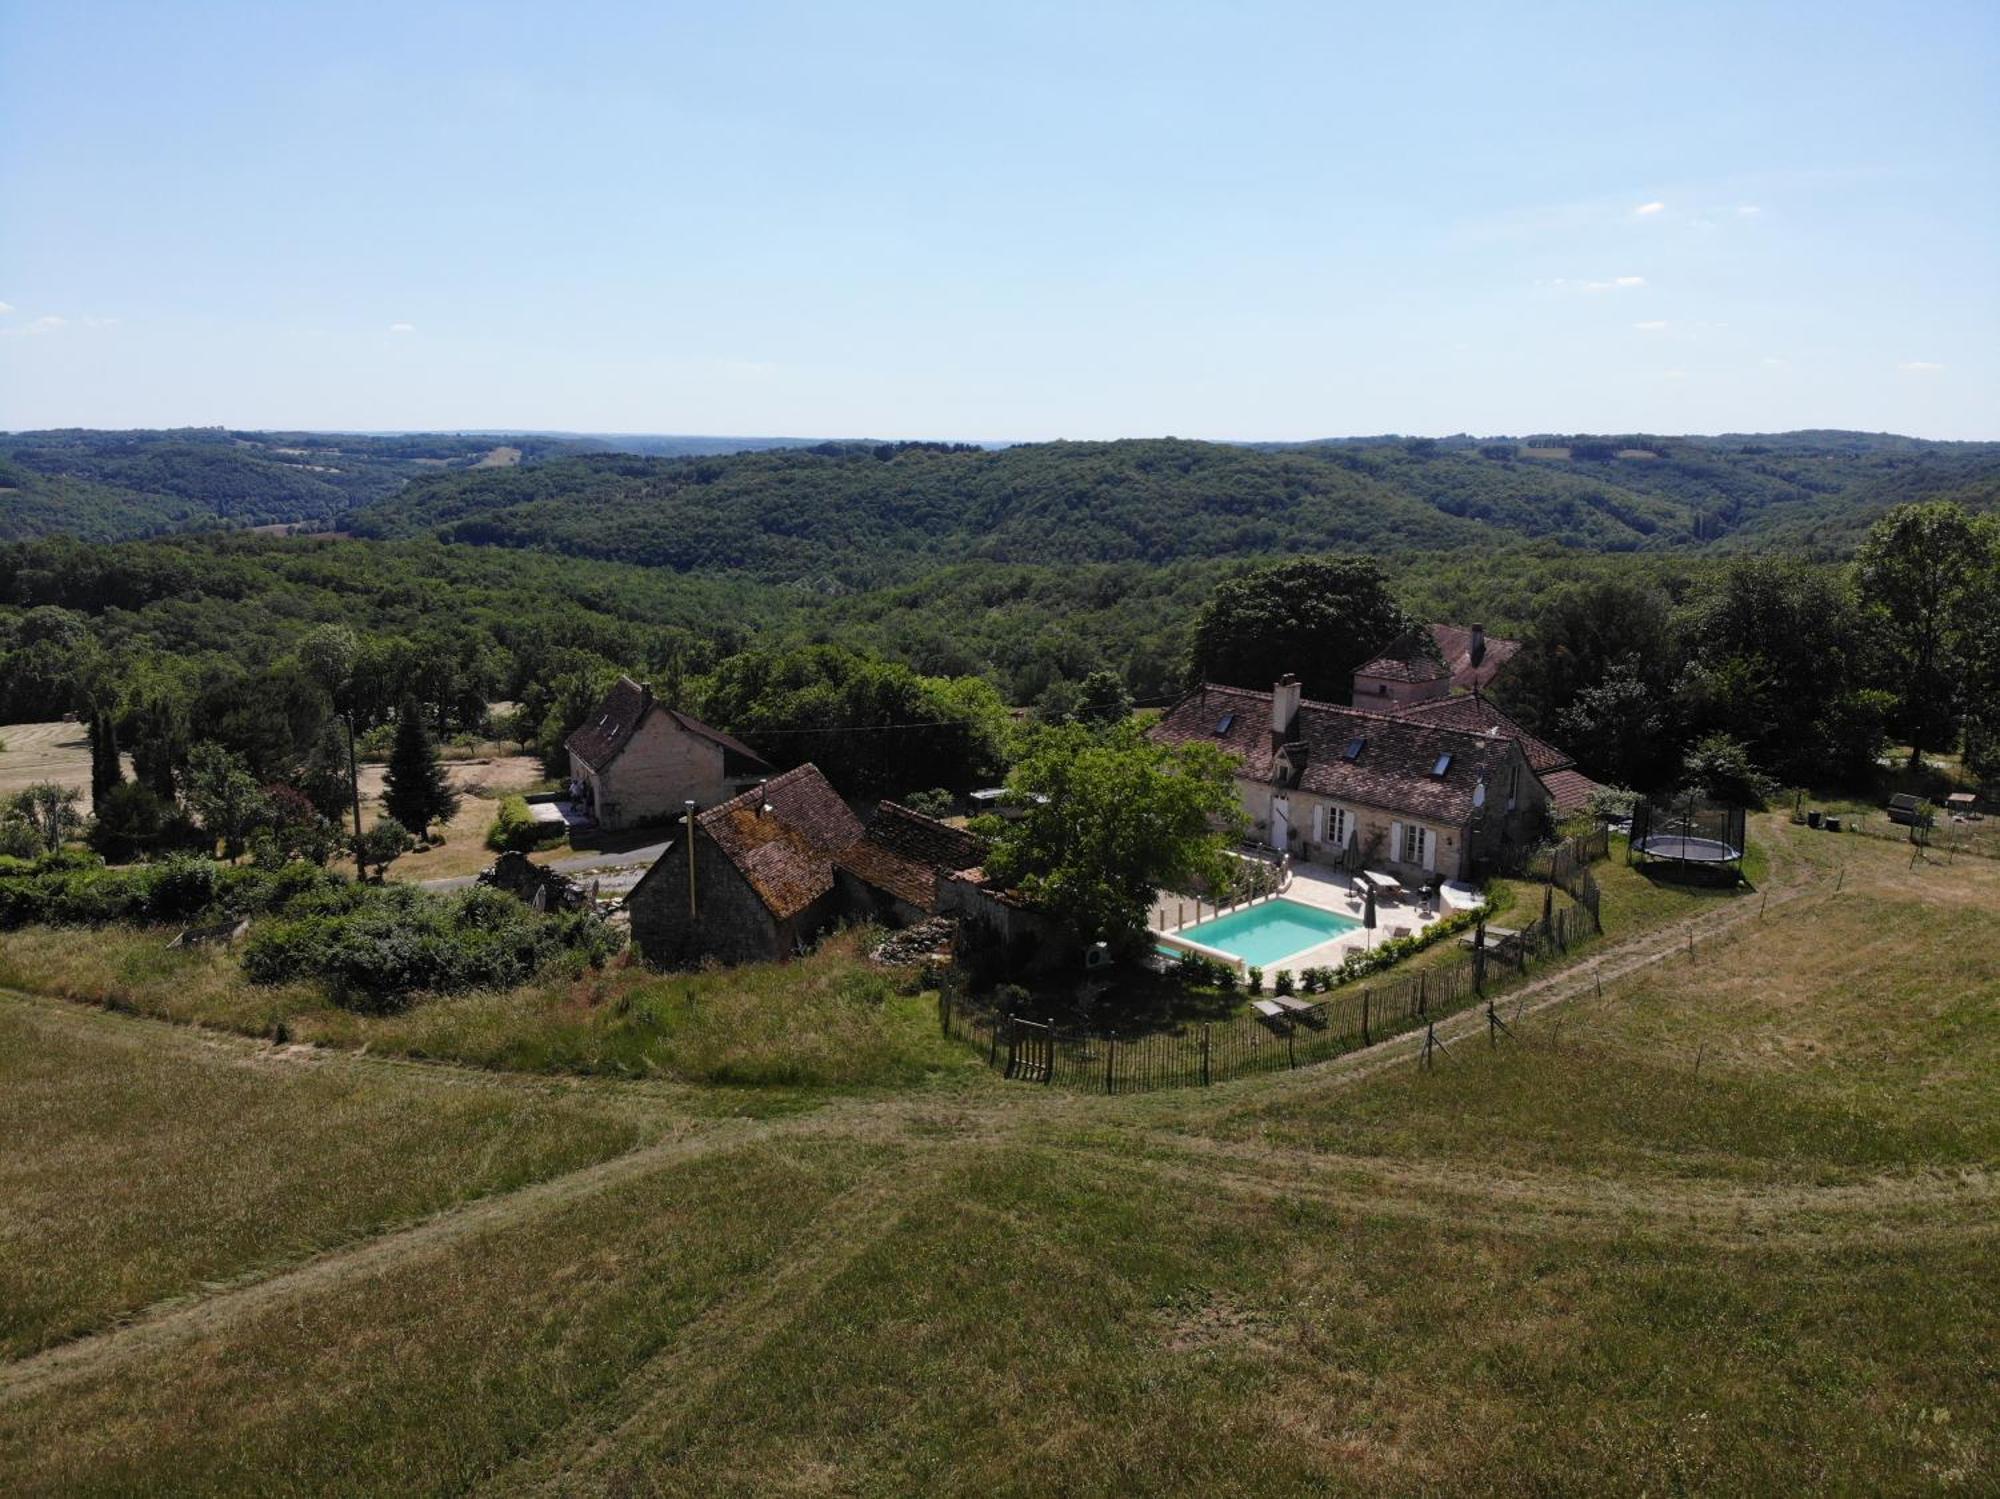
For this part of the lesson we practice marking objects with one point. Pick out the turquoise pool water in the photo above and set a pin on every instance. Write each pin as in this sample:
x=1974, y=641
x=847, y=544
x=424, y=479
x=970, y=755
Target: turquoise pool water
x=1271, y=932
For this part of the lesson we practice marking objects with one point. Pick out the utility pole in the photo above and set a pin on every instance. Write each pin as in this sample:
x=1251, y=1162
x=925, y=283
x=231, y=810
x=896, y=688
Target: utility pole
x=689, y=804
x=354, y=785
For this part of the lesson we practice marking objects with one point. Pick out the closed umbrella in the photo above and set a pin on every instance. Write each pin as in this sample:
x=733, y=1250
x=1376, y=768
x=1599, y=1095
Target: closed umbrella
x=1368, y=914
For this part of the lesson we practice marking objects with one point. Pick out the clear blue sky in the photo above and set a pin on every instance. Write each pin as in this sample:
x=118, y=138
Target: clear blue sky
x=1002, y=221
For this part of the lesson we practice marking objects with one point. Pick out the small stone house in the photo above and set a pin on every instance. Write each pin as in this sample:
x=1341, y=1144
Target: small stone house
x=774, y=867
x=637, y=761
x=1431, y=663
x=1389, y=790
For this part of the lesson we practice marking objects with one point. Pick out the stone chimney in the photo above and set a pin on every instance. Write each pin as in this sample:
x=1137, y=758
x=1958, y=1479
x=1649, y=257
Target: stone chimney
x=1284, y=707
x=1478, y=652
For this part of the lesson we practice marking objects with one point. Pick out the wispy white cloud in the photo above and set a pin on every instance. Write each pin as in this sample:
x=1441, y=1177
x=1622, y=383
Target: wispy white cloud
x=402, y=327
x=1773, y=362
x=1652, y=325
x=100, y=322
x=1919, y=366
x=1647, y=210
x=47, y=323
x=5, y=308
x=1748, y=210
x=1612, y=283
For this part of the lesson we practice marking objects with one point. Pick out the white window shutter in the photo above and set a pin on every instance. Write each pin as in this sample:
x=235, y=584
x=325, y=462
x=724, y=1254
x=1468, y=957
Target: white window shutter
x=1396, y=842
x=1319, y=823
x=1348, y=823
x=1430, y=850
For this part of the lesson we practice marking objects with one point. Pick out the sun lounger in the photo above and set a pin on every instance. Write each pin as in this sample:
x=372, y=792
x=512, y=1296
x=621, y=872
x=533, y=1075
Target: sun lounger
x=1301, y=1009
x=1271, y=1014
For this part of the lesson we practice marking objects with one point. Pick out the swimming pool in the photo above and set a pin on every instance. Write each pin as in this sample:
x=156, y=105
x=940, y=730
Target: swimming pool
x=1271, y=932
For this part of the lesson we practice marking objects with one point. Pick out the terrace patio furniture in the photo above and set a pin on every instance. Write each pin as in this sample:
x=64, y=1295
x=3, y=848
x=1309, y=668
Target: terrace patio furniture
x=1385, y=884
x=1498, y=938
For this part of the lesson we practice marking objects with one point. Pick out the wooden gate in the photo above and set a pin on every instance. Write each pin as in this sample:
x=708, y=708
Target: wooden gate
x=1031, y=1051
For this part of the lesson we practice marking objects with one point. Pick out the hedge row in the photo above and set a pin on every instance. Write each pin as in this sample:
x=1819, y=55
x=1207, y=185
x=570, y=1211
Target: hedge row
x=372, y=945
x=407, y=942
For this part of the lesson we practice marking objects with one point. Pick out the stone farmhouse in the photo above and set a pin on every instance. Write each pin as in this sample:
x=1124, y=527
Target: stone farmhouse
x=1335, y=785
x=774, y=867
x=637, y=761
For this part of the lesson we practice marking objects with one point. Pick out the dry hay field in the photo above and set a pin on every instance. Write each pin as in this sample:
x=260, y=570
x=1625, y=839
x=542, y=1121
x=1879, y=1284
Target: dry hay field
x=57, y=752
x=480, y=785
x=1720, y=1216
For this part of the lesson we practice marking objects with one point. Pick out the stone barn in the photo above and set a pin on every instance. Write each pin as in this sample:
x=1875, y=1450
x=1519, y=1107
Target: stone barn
x=774, y=867
x=637, y=761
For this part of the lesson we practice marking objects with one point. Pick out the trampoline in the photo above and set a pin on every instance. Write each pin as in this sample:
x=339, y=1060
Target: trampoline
x=1687, y=831
x=1686, y=850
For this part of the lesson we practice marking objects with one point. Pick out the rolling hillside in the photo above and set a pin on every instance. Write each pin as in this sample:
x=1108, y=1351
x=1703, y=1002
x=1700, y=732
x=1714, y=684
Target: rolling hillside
x=864, y=513
x=857, y=513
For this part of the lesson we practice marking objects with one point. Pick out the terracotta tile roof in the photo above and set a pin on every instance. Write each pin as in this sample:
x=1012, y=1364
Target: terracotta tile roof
x=1407, y=658
x=604, y=734
x=905, y=852
x=624, y=708
x=787, y=853
x=1455, y=644
x=1392, y=770
x=1570, y=790
x=1478, y=715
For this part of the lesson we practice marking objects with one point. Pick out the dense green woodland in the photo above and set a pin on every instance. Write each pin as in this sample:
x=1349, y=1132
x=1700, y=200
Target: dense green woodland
x=855, y=515
x=847, y=514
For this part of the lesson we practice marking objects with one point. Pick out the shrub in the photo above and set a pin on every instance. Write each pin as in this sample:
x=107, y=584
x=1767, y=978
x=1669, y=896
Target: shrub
x=515, y=831
x=1256, y=981
x=18, y=838
x=397, y=942
x=1283, y=984
x=1225, y=978
x=1388, y=954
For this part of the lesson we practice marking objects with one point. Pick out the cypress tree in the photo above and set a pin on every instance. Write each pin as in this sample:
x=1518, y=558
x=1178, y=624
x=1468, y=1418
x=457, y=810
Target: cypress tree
x=105, y=771
x=416, y=792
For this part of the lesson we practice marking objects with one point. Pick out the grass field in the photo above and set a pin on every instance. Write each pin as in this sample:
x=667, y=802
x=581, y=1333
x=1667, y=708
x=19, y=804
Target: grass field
x=1731, y=1225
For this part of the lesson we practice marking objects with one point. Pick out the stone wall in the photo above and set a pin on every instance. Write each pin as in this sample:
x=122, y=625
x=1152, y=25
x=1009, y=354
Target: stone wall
x=661, y=766
x=731, y=923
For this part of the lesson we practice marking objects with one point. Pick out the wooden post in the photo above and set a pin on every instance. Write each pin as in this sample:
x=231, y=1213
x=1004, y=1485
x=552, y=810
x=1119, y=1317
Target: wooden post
x=1110, y=1051
x=1364, y=1016
x=354, y=784
x=693, y=917
x=1204, y=1056
x=1049, y=1053
x=1479, y=956
x=1291, y=1054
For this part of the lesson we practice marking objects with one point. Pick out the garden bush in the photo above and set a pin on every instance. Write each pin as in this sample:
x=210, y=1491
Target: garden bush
x=515, y=831
x=397, y=942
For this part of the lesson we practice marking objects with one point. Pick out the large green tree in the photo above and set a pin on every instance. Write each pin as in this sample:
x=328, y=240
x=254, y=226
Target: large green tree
x=1928, y=574
x=415, y=790
x=1112, y=818
x=875, y=728
x=1582, y=636
x=1776, y=657
x=1318, y=617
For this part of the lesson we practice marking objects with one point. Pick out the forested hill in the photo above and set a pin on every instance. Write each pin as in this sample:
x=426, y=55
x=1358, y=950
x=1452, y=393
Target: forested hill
x=112, y=486
x=851, y=513
x=860, y=513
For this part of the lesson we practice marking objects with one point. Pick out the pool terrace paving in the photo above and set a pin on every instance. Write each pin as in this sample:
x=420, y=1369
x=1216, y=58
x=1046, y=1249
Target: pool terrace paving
x=1320, y=885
